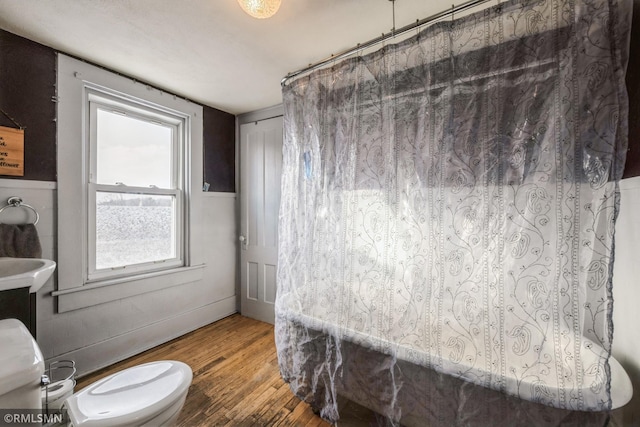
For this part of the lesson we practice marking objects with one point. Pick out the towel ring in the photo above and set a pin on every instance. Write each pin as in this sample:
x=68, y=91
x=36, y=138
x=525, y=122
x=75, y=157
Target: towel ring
x=16, y=202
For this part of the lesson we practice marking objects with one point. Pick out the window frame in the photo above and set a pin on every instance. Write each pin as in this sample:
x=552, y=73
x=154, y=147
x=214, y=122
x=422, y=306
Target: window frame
x=73, y=291
x=101, y=100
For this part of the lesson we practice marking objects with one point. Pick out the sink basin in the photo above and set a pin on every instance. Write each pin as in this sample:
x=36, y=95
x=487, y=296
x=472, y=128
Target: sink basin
x=29, y=273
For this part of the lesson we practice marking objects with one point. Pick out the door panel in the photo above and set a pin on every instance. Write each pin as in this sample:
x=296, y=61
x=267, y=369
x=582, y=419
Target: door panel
x=261, y=166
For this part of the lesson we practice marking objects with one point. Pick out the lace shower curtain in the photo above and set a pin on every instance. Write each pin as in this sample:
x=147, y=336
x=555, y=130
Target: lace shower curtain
x=448, y=203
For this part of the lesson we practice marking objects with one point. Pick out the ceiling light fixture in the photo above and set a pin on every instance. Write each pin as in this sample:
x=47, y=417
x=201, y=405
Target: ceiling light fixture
x=260, y=8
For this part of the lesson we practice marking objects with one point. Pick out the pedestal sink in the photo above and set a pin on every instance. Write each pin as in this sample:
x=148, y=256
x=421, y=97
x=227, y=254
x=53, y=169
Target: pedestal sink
x=20, y=279
x=29, y=273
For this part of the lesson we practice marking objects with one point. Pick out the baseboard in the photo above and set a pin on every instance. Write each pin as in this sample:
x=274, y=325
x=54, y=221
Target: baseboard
x=100, y=355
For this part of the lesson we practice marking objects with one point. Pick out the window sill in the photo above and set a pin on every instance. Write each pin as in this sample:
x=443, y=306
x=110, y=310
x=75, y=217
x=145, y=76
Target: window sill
x=104, y=291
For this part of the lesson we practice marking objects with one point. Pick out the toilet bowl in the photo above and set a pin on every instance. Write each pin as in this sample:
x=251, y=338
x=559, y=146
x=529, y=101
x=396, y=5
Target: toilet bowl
x=151, y=394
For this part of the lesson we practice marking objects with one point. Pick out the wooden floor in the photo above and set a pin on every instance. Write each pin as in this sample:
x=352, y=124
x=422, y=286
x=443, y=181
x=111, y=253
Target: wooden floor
x=236, y=381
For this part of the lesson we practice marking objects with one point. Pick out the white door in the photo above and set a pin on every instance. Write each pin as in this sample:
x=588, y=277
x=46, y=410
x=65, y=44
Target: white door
x=260, y=166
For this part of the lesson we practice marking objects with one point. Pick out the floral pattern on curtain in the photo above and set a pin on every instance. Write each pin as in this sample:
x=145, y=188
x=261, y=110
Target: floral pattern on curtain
x=450, y=201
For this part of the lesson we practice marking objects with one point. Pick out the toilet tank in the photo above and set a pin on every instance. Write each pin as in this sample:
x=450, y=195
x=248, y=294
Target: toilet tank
x=21, y=367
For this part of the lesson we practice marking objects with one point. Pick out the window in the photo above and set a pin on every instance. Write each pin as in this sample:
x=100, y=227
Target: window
x=135, y=185
x=129, y=187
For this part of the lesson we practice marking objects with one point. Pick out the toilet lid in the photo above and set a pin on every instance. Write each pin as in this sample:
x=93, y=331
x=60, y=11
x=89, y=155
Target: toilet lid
x=131, y=396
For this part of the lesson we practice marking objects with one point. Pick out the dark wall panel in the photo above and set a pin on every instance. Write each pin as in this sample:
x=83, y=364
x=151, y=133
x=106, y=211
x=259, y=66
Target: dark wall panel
x=632, y=167
x=219, y=150
x=27, y=90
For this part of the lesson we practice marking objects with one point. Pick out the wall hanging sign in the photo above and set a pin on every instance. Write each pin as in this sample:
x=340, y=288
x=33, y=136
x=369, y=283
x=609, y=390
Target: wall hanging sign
x=11, y=151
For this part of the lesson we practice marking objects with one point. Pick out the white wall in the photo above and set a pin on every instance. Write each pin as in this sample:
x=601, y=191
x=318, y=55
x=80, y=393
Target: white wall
x=100, y=335
x=626, y=294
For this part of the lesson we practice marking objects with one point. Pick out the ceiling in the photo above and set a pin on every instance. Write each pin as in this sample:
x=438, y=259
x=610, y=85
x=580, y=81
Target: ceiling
x=208, y=51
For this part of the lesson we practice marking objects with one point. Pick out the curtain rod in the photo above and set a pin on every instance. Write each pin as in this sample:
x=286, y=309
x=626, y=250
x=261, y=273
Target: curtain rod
x=360, y=46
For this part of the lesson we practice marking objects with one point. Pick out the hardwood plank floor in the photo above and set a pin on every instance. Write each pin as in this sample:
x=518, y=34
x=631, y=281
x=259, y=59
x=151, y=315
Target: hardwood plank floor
x=236, y=380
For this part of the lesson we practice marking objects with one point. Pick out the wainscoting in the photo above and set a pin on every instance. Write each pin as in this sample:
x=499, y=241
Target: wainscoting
x=103, y=334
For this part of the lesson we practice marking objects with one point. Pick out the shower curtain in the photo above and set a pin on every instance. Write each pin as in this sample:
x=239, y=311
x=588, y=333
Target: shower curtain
x=448, y=202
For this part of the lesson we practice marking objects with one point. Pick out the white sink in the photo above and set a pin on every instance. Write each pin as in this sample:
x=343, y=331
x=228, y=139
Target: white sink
x=29, y=273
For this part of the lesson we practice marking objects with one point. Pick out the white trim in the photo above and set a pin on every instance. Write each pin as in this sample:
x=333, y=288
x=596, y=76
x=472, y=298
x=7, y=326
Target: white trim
x=127, y=189
x=219, y=195
x=119, y=280
x=75, y=78
x=112, y=100
x=29, y=184
x=263, y=114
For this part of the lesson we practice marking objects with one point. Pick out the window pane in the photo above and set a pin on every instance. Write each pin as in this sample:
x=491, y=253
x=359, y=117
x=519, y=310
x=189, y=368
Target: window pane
x=133, y=151
x=134, y=229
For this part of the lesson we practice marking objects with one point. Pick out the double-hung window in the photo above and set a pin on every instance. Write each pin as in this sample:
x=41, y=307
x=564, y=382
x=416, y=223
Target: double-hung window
x=129, y=188
x=135, y=188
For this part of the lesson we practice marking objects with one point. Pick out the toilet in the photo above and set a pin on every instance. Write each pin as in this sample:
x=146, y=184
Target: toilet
x=151, y=394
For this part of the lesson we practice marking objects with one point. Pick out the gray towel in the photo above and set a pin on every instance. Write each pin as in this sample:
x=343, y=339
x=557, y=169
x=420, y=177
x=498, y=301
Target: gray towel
x=19, y=241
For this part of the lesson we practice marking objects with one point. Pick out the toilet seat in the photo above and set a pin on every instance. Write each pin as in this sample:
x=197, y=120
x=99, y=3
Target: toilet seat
x=133, y=396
